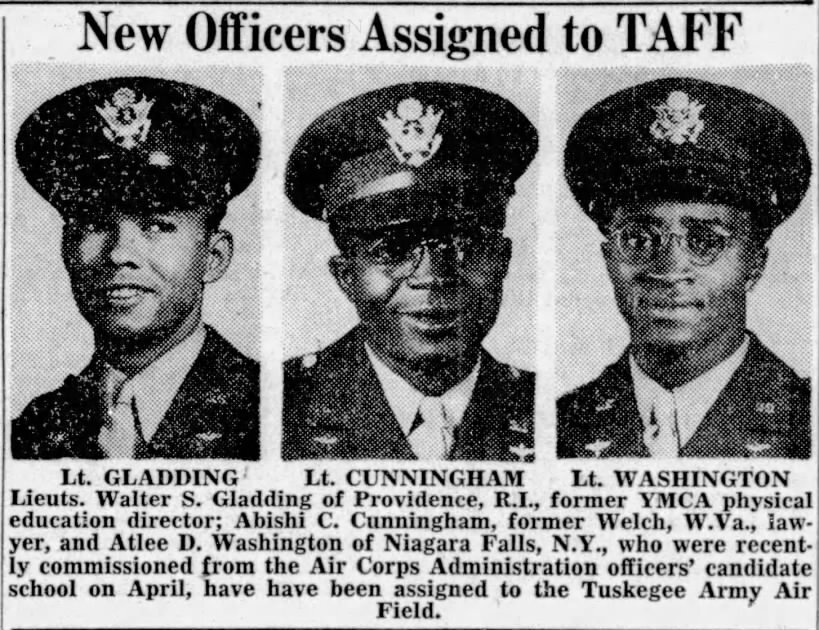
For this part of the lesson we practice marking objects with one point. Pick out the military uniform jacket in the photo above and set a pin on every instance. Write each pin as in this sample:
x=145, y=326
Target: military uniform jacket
x=215, y=413
x=335, y=408
x=764, y=411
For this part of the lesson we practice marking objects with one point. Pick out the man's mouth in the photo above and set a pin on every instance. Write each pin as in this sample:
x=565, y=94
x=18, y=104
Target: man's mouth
x=433, y=319
x=668, y=305
x=125, y=294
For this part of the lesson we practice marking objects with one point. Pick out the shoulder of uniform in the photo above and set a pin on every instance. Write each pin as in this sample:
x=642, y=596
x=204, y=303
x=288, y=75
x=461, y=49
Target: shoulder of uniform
x=43, y=416
x=518, y=376
x=302, y=366
x=331, y=357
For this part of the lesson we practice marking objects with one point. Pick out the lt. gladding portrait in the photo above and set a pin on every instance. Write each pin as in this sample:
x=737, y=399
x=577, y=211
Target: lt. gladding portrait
x=141, y=171
x=687, y=180
x=413, y=181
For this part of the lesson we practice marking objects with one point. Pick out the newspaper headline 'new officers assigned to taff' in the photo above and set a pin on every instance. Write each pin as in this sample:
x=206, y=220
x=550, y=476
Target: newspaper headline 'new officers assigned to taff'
x=142, y=170
x=687, y=180
x=413, y=181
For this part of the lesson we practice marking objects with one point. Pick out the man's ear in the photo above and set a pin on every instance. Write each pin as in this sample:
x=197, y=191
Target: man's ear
x=756, y=265
x=220, y=253
x=341, y=268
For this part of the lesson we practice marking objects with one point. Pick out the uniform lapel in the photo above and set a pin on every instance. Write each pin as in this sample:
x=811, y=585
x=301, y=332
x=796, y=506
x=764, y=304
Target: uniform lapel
x=81, y=417
x=751, y=415
x=616, y=429
x=192, y=426
x=348, y=415
x=487, y=432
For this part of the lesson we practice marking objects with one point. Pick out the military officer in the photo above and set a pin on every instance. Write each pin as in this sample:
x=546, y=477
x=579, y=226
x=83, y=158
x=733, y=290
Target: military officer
x=413, y=181
x=687, y=179
x=141, y=171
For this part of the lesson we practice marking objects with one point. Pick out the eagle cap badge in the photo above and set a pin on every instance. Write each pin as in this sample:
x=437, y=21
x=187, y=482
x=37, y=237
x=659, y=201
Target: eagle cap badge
x=412, y=131
x=678, y=119
x=126, y=118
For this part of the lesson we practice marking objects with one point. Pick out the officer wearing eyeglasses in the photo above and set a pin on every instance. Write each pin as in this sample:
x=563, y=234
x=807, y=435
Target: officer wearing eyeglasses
x=687, y=180
x=413, y=181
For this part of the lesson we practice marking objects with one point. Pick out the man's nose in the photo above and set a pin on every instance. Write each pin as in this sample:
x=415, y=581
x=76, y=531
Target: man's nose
x=125, y=242
x=438, y=263
x=672, y=259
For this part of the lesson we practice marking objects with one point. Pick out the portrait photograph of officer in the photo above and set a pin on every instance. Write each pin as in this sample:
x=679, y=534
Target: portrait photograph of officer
x=405, y=185
x=140, y=172
x=698, y=190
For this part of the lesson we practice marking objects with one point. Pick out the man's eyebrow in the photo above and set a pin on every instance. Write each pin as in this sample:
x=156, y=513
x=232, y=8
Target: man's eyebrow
x=710, y=222
x=639, y=218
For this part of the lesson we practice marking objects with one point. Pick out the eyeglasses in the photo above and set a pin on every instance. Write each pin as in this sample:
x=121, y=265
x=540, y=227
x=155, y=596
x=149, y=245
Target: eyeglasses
x=641, y=243
x=401, y=253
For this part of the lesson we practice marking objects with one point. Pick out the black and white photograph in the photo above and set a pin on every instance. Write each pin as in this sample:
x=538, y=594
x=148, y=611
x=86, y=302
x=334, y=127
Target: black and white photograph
x=417, y=189
x=134, y=239
x=688, y=193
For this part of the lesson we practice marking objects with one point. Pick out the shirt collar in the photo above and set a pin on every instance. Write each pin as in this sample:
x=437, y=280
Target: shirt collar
x=692, y=400
x=155, y=387
x=404, y=399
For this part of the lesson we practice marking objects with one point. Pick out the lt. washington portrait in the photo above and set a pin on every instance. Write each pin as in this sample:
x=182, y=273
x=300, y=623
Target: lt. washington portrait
x=687, y=181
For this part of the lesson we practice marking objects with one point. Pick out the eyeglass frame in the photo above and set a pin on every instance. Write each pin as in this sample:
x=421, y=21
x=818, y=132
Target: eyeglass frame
x=613, y=237
x=493, y=236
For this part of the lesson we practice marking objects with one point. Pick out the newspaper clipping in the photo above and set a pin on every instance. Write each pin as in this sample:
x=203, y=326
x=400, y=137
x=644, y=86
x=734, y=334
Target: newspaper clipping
x=409, y=315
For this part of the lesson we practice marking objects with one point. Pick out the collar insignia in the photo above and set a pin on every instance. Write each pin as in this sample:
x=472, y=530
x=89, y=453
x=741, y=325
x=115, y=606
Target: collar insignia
x=208, y=437
x=598, y=447
x=678, y=119
x=412, y=131
x=766, y=407
x=757, y=448
x=326, y=440
x=515, y=426
x=126, y=118
x=605, y=405
x=521, y=452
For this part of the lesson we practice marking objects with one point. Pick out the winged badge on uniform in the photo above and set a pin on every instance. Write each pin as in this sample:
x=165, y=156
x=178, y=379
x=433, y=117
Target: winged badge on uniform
x=413, y=138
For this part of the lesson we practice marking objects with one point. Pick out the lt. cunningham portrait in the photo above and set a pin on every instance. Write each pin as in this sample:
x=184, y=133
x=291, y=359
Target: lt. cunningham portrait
x=698, y=188
x=141, y=173
x=412, y=182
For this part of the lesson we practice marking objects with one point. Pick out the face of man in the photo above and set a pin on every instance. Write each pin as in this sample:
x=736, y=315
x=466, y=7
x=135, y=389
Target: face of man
x=140, y=277
x=426, y=298
x=681, y=271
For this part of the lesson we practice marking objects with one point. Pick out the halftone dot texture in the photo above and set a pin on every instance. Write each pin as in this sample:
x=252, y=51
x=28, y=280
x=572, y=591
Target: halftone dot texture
x=755, y=159
x=214, y=414
x=141, y=143
x=464, y=149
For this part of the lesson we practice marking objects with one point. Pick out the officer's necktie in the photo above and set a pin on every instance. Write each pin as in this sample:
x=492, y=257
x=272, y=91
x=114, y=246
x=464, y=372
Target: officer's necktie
x=432, y=434
x=662, y=436
x=121, y=435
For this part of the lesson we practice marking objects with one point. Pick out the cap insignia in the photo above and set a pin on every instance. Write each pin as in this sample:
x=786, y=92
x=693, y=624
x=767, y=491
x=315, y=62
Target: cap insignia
x=412, y=131
x=126, y=118
x=678, y=119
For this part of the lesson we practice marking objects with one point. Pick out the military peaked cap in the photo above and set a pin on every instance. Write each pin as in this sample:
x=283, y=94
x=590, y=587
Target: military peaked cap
x=136, y=144
x=411, y=152
x=688, y=140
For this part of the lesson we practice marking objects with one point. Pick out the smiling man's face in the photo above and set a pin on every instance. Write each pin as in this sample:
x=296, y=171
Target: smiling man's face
x=676, y=299
x=434, y=308
x=138, y=277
